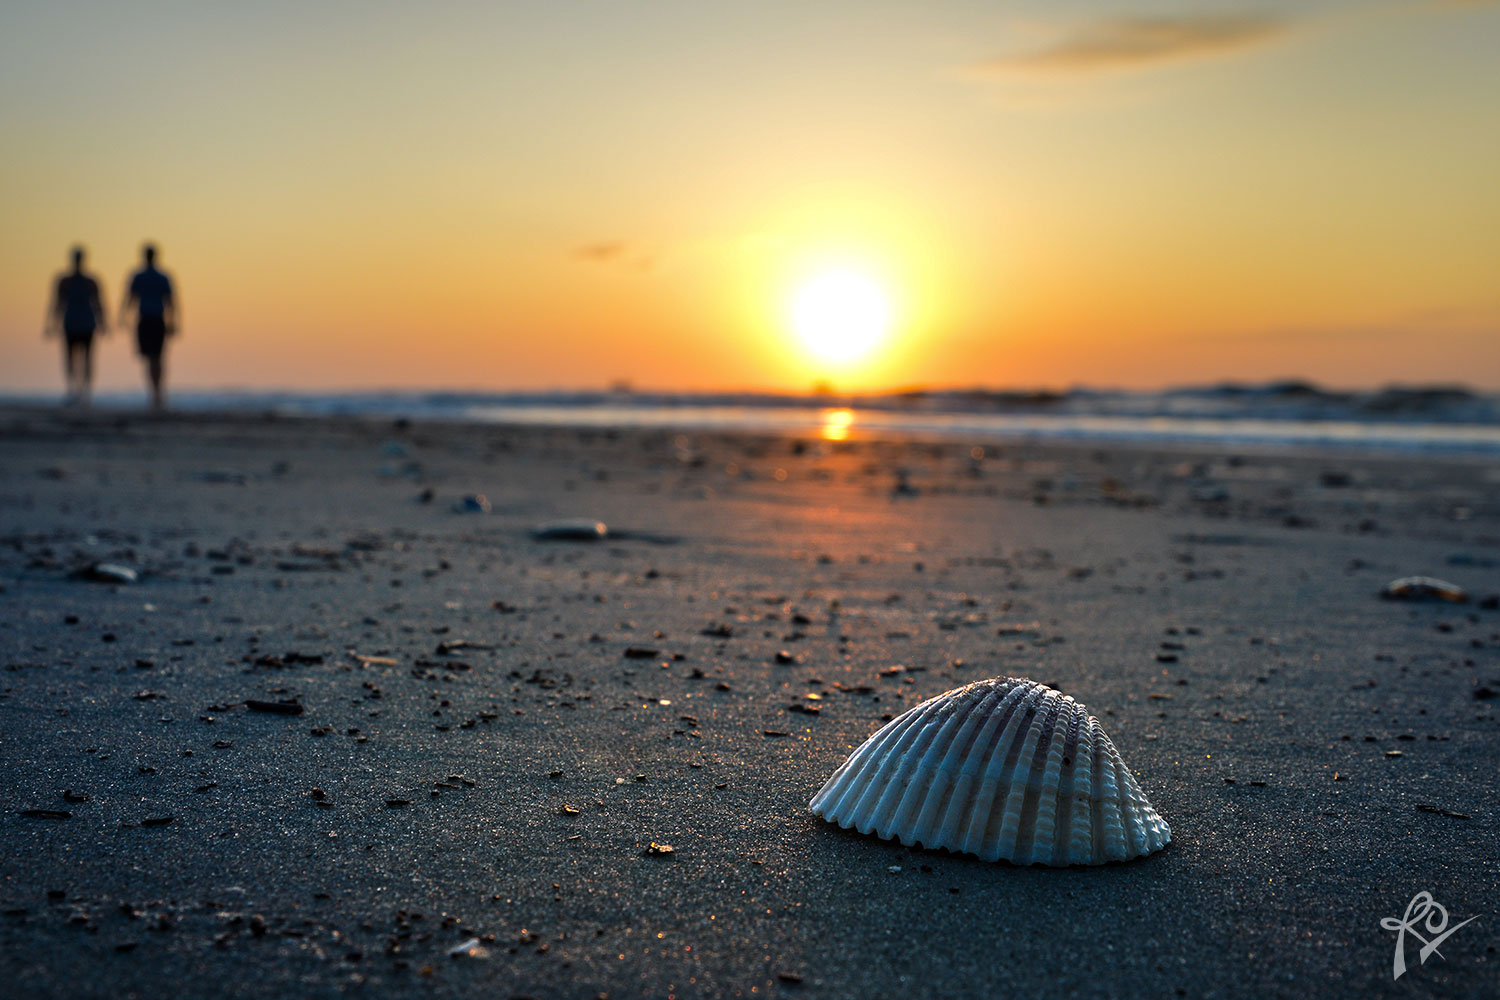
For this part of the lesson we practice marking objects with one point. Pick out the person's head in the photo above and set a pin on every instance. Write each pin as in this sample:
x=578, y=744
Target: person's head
x=148, y=252
x=77, y=255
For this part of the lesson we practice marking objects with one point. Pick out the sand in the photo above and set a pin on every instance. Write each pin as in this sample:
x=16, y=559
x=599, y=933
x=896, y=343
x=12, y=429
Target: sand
x=495, y=729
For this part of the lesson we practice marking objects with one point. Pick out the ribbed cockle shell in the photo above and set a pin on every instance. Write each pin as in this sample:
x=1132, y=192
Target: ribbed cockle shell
x=1006, y=769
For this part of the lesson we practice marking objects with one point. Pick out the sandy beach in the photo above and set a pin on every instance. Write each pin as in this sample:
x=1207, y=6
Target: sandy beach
x=492, y=731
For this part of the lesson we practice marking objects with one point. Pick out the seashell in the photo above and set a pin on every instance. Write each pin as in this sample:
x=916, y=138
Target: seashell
x=103, y=572
x=1006, y=769
x=1424, y=588
x=572, y=530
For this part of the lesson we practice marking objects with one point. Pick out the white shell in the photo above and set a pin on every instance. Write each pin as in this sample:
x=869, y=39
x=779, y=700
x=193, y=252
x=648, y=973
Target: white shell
x=112, y=573
x=1006, y=769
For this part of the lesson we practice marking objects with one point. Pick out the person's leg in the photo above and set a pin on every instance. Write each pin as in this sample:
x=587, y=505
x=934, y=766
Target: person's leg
x=86, y=364
x=70, y=366
x=77, y=362
x=154, y=369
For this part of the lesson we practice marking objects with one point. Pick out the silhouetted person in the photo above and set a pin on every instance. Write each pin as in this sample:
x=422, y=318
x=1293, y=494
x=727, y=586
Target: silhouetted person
x=156, y=317
x=77, y=309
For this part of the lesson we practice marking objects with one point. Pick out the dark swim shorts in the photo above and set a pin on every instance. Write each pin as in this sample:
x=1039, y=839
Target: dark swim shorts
x=151, y=336
x=79, y=336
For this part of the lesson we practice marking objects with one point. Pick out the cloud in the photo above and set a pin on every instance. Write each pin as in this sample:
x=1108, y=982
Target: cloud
x=602, y=252
x=1131, y=42
x=614, y=252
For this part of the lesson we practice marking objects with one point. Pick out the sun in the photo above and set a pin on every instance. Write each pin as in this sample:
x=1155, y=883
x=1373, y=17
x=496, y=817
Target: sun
x=840, y=315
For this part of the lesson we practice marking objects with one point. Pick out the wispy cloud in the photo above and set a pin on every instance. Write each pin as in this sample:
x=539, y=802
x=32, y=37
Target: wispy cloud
x=1135, y=42
x=614, y=252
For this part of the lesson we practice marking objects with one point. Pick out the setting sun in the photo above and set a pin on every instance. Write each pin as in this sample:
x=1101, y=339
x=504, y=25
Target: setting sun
x=840, y=315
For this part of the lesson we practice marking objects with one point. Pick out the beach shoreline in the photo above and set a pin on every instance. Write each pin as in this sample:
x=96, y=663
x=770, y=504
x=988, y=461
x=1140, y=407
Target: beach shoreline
x=494, y=728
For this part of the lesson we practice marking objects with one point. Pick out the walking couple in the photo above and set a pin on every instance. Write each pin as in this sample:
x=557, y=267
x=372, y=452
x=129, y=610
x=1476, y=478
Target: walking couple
x=77, y=311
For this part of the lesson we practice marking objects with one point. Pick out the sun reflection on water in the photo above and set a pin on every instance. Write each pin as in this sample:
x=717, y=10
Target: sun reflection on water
x=836, y=424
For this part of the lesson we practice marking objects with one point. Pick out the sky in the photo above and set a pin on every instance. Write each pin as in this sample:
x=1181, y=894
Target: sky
x=577, y=194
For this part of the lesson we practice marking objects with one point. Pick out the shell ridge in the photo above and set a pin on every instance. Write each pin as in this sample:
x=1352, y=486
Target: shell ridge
x=1028, y=777
x=1111, y=825
x=1158, y=834
x=839, y=781
x=1139, y=810
x=930, y=828
x=982, y=837
x=963, y=738
x=1002, y=839
x=961, y=814
x=1014, y=696
x=853, y=781
x=1062, y=835
x=899, y=770
x=929, y=780
x=1081, y=847
x=1016, y=826
x=1128, y=825
x=1135, y=809
x=875, y=779
x=1048, y=802
x=827, y=799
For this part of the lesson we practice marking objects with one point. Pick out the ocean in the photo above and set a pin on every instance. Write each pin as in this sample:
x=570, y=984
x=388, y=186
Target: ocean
x=1287, y=413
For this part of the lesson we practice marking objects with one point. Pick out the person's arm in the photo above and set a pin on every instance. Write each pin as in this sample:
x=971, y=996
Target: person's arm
x=171, y=313
x=101, y=314
x=53, y=322
x=127, y=299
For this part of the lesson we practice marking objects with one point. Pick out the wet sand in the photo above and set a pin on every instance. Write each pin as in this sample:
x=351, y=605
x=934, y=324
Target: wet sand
x=494, y=729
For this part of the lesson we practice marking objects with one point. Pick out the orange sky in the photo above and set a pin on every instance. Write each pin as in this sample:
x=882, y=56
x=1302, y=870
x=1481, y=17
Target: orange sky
x=371, y=195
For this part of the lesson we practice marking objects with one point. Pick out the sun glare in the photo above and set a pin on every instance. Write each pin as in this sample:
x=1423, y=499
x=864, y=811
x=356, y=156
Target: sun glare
x=840, y=315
